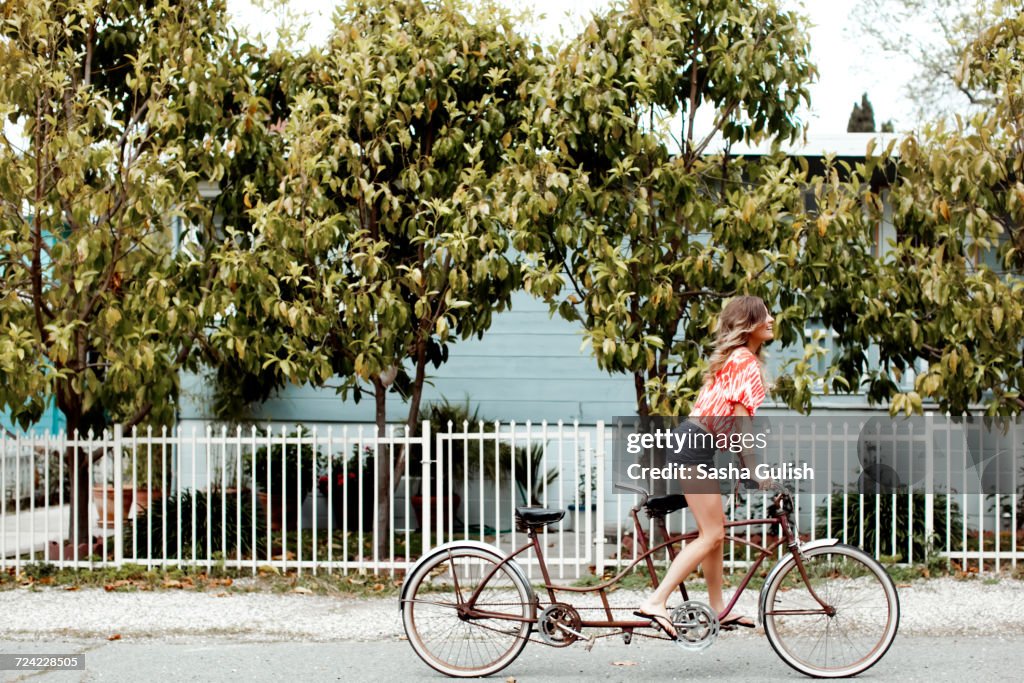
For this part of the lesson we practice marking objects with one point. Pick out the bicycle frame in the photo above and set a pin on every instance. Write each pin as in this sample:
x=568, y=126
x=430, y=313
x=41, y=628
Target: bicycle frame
x=646, y=556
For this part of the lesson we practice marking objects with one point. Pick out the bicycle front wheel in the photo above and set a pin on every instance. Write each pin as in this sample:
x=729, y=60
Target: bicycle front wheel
x=848, y=636
x=459, y=639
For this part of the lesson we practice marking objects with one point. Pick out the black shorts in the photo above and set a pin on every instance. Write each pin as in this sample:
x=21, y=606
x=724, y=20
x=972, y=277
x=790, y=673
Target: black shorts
x=699, y=449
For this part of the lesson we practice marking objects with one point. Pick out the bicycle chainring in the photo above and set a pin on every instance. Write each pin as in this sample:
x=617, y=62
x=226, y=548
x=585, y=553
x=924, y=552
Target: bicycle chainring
x=696, y=625
x=557, y=623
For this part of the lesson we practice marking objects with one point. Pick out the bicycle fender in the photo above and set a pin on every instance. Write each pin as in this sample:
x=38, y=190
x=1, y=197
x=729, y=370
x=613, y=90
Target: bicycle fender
x=479, y=545
x=762, y=600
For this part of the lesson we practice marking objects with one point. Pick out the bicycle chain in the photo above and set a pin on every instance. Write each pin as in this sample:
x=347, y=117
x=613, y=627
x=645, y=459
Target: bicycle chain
x=592, y=638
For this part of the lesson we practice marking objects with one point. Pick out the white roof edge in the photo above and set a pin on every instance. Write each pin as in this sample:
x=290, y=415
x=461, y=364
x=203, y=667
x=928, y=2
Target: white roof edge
x=837, y=144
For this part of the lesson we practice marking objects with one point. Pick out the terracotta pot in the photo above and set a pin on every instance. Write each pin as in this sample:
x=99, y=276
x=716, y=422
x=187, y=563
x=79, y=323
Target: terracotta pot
x=105, y=497
x=287, y=513
x=143, y=499
x=55, y=551
x=134, y=502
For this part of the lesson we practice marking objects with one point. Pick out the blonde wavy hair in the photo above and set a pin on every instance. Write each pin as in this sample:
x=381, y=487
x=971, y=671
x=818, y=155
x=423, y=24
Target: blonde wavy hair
x=739, y=317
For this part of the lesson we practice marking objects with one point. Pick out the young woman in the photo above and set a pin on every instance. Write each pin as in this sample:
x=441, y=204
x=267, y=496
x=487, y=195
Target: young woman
x=733, y=390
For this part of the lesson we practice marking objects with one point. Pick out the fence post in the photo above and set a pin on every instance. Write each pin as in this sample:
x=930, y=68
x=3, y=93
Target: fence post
x=929, y=486
x=425, y=463
x=599, y=489
x=118, y=498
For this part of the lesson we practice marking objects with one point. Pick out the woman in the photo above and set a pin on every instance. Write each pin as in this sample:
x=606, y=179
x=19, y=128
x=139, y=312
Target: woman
x=733, y=389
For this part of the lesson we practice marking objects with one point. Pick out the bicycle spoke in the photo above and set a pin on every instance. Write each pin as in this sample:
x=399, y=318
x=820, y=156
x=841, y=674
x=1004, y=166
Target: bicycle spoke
x=454, y=641
x=850, y=640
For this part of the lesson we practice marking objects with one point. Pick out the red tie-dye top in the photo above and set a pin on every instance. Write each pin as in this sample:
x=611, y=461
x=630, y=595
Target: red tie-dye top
x=738, y=381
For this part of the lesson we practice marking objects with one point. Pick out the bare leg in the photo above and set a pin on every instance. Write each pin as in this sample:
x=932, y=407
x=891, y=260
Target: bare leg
x=707, y=511
x=712, y=566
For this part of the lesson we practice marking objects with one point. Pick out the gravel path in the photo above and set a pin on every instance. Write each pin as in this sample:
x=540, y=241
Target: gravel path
x=936, y=607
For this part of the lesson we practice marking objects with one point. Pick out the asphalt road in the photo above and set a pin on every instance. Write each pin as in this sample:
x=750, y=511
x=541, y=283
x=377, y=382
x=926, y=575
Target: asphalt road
x=733, y=657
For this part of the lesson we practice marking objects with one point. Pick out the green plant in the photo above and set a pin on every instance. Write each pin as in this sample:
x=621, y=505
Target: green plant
x=151, y=467
x=477, y=453
x=582, y=489
x=531, y=480
x=290, y=463
x=160, y=529
x=352, y=478
x=886, y=512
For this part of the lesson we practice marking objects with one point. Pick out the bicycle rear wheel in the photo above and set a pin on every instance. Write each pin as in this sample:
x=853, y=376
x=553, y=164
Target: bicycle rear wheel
x=855, y=636
x=445, y=635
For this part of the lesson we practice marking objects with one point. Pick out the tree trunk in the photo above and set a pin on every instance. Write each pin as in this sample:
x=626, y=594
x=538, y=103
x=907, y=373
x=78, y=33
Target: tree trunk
x=76, y=463
x=81, y=493
x=642, y=407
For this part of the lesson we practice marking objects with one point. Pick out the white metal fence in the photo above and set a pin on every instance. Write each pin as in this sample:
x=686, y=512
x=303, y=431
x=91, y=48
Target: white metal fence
x=307, y=500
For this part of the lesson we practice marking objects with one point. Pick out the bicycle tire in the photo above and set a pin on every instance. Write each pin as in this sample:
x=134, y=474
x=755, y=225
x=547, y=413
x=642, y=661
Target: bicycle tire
x=847, y=643
x=457, y=646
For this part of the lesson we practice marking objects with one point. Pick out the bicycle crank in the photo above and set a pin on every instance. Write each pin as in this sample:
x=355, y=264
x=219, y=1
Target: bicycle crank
x=696, y=625
x=559, y=625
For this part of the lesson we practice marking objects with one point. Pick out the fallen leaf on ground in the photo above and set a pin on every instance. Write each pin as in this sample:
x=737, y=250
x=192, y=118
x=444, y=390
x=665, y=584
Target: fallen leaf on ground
x=624, y=663
x=71, y=588
x=115, y=636
x=302, y=590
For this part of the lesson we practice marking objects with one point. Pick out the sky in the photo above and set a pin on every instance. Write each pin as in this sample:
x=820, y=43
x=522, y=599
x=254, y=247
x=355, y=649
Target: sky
x=847, y=65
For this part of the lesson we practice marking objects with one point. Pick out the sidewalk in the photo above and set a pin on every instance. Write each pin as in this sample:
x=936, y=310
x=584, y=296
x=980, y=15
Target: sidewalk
x=935, y=607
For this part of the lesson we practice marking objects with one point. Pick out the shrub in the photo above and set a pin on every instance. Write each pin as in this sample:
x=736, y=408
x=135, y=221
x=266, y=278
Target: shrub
x=299, y=465
x=887, y=514
x=219, y=512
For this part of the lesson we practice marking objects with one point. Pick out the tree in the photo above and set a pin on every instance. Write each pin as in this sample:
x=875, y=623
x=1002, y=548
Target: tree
x=385, y=244
x=862, y=118
x=641, y=245
x=123, y=108
x=941, y=30
x=950, y=292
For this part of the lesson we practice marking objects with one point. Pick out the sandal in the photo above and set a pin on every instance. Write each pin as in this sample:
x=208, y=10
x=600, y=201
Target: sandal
x=658, y=619
x=738, y=620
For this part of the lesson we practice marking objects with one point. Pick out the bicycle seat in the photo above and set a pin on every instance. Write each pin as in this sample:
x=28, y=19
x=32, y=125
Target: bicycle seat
x=534, y=518
x=659, y=506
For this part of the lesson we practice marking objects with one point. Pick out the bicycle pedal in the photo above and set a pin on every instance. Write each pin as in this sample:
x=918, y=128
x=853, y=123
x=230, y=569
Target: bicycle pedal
x=590, y=644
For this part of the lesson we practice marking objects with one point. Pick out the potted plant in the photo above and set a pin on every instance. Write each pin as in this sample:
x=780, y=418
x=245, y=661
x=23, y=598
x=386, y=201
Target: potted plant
x=284, y=477
x=530, y=480
x=349, y=477
x=585, y=504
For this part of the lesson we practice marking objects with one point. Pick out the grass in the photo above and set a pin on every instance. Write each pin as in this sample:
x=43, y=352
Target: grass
x=268, y=578
x=133, y=578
